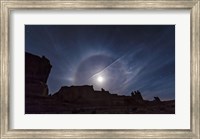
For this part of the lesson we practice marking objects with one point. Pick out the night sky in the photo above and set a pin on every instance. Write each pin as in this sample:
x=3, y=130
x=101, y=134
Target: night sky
x=118, y=58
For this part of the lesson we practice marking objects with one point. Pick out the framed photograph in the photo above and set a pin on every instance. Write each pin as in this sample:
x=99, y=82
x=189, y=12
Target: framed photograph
x=99, y=66
x=100, y=69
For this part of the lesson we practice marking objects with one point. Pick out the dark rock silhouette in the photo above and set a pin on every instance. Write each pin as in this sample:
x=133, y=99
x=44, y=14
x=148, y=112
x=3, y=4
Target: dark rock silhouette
x=81, y=99
x=37, y=71
x=136, y=95
x=157, y=99
x=36, y=68
x=86, y=95
x=73, y=93
x=102, y=90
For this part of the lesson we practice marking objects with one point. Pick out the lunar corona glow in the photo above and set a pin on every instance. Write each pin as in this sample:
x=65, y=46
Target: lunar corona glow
x=100, y=79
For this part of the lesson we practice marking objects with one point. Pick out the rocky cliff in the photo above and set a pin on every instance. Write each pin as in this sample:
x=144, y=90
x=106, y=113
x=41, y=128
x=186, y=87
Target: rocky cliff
x=37, y=70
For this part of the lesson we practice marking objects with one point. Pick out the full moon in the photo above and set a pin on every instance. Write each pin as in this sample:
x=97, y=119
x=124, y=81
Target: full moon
x=100, y=79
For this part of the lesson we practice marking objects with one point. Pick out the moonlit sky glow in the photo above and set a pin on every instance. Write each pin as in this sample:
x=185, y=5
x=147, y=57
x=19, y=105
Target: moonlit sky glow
x=100, y=79
x=118, y=58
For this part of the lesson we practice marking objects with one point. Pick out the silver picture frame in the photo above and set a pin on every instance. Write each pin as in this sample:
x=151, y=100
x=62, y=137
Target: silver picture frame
x=7, y=6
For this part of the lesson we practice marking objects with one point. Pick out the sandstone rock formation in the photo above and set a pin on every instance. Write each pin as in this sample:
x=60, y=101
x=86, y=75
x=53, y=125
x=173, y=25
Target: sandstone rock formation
x=157, y=99
x=136, y=95
x=37, y=71
x=87, y=95
x=73, y=93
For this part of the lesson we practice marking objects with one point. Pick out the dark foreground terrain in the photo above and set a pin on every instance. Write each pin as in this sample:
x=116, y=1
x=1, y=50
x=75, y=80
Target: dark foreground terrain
x=81, y=99
x=45, y=105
